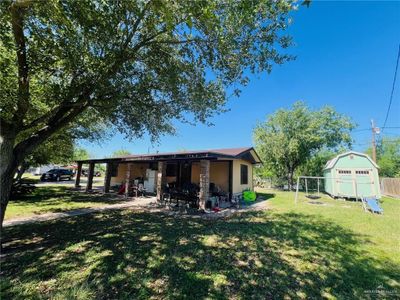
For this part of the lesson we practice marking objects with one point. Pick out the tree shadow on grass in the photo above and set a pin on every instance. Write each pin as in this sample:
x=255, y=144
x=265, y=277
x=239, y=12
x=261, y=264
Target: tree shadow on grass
x=140, y=255
x=266, y=196
x=50, y=195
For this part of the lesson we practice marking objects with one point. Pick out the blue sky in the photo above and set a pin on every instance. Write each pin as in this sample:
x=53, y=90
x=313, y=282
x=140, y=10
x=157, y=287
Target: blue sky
x=346, y=55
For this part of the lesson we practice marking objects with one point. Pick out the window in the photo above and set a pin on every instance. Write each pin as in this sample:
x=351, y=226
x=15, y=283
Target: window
x=244, y=174
x=362, y=172
x=345, y=172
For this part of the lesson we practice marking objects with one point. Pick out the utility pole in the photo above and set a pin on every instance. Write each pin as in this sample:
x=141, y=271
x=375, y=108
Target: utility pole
x=375, y=130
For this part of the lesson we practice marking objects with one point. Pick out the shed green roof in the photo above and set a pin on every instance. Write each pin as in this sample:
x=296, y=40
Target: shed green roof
x=331, y=163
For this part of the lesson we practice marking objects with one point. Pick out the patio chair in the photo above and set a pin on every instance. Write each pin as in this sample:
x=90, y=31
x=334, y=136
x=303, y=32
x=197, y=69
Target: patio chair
x=372, y=204
x=140, y=190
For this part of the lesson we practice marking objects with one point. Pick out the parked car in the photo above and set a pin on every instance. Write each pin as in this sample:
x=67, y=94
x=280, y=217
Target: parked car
x=57, y=175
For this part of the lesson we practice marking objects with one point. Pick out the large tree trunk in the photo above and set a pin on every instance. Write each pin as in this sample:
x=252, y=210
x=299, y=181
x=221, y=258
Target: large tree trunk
x=8, y=167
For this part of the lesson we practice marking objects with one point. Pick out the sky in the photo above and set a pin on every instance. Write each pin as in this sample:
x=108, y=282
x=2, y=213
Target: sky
x=345, y=57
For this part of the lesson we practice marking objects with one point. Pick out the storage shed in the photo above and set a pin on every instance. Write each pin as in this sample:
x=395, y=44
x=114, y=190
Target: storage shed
x=352, y=175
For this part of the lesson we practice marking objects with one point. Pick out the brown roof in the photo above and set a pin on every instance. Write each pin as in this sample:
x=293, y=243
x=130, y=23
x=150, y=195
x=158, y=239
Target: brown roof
x=227, y=153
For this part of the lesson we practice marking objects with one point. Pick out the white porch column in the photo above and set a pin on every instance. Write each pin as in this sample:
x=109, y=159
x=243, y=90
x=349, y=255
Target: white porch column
x=161, y=178
x=127, y=179
x=204, y=182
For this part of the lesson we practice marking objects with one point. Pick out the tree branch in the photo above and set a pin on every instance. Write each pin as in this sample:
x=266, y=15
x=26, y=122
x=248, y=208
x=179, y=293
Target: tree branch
x=172, y=42
x=51, y=114
x=67, y=111
x=17, y=21
x=27, y=145
x=136, y=25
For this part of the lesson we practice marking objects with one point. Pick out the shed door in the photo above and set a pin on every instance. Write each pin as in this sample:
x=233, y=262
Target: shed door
x=345, y=183
x=365, y=182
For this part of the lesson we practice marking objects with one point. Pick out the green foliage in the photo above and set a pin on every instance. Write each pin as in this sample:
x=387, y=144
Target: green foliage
x=314, y=166
x=59, y=149
x=100, y=168
x=388, y=156
x=303, y=251
x=121, y=152
x=136, y=65
x=80, y=154
x=290, y=138
x=263, y=171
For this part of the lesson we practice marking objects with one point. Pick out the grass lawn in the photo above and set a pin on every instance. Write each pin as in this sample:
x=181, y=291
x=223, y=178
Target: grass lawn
x=307, y=251
x=54, y=198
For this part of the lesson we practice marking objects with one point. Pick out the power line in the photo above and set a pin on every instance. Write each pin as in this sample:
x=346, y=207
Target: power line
x=368, y=129
x=391, y=94
x=364, y=129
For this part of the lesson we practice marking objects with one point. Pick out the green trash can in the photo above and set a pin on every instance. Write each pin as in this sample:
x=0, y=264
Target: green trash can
x=249, y=196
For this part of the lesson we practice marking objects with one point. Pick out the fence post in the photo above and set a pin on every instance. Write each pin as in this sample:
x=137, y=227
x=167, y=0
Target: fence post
x=306, y=186
x=297, y=190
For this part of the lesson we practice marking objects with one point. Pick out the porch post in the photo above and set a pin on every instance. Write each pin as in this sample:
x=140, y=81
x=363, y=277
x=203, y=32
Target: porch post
x=161, y=178
x=204, y=182
x=230, y=180
x=90, y=177
x=107, y=178
x=127, y=179
x=78, y=175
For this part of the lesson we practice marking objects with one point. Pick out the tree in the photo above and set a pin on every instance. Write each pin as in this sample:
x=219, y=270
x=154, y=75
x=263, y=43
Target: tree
x=121, y=152
x=135, y=66
x=58, y=149
x=388, y=156
x=314, y=166
x=80, y=154
x=290, y=138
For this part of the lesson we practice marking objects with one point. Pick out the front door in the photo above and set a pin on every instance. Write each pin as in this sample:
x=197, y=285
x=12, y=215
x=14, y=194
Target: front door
x=345, y=183
x=365, y=183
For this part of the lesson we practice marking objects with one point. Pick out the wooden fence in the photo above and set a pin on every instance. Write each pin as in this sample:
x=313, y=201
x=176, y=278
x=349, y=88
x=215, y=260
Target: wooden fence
x=390, y=187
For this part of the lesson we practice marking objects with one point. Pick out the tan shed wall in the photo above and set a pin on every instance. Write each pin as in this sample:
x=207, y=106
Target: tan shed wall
x=137, y=170
x=236, y=186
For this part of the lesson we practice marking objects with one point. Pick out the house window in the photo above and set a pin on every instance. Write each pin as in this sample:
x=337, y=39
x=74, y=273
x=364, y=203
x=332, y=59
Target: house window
x=362, y=172
x=345, y=172
x=244, y=174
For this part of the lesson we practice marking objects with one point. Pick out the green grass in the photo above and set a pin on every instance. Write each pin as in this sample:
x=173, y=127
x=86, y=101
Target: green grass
x=54, y=198
x=31, y=176
x=382, y=230
x=305, y=251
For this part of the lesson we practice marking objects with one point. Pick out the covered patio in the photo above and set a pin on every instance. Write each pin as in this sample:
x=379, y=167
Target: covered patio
x=201, y=179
